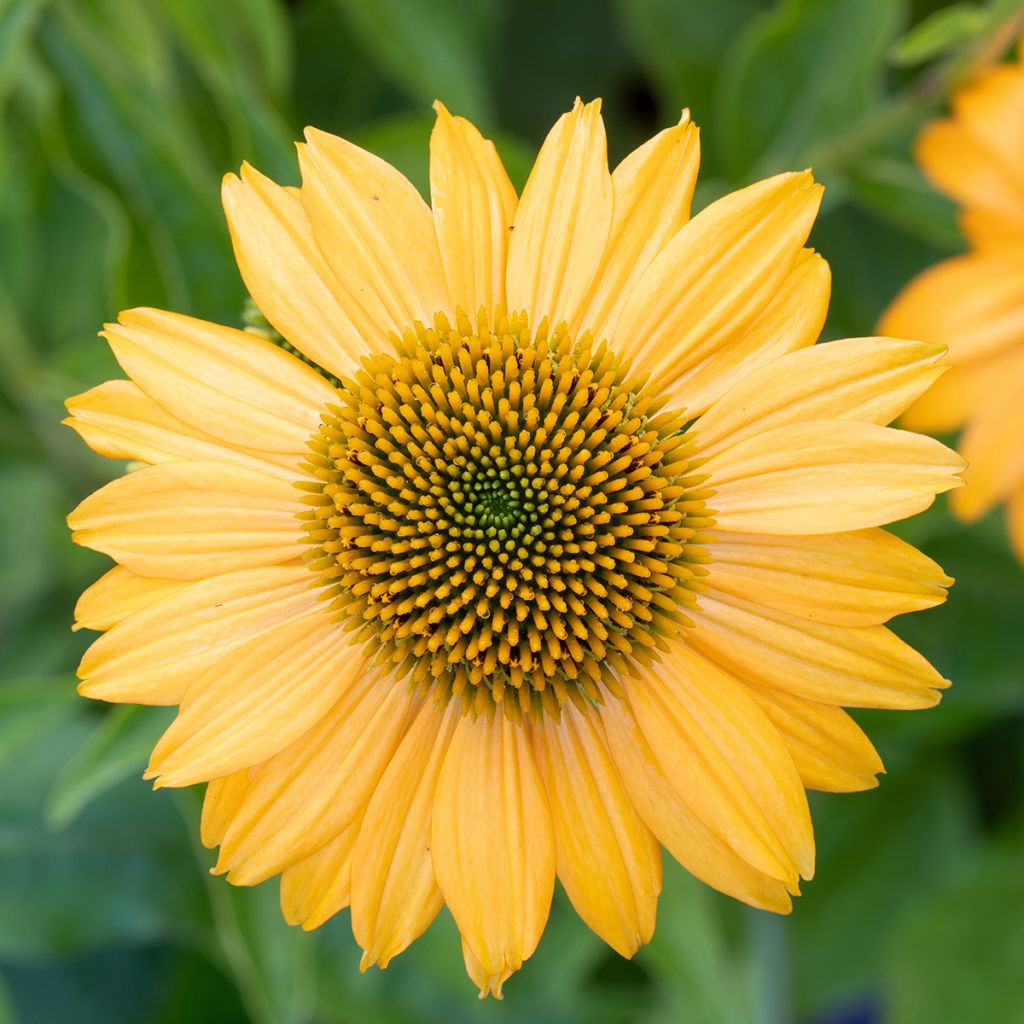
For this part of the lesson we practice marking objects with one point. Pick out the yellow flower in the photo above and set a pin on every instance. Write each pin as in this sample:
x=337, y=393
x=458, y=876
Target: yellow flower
x=531, y=593
x=975, y=303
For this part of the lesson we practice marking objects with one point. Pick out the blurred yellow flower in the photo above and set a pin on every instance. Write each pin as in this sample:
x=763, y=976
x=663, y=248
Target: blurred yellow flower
x=975, y=303
x=532, y=593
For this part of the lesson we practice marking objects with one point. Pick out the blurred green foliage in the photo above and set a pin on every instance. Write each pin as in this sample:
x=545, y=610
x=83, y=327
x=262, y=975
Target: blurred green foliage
x=118, y=119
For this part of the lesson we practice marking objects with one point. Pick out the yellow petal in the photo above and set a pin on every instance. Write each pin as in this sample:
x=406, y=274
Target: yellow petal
x=826, y=477
x=608, y=861
x=189, y=520
x=955, y=396
x=155, y=654
x=864, y=666
x=220, y=804
x=991, y=229
x=675, y=824
x=652, y=188
x=993, y=446
x=256, y=700
x=287, y=276
x=967, y=170
x=563, y=220
x=315, y=888
x=974, y=304
x=829, y=750
x=487, y=983
x=375, y=232
x=717, y=274
x=791, y=320
x=394, y=894
x=492, y=842
x=868, y=379
x=991, y=109
x=119, y=420
x=474, y=208
x=312, y=790
x=116, y=595
x=723, y=756
x=234, y=385
x=847, y=579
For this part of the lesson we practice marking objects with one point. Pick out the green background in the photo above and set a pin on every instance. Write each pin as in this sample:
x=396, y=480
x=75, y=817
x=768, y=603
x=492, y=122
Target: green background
x=118, y=119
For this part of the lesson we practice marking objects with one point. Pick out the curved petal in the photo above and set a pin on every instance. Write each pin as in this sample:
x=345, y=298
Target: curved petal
x=119, y=420
x=865, y=666
x=394, y=893
x=967, y=170
x=991, y=109
x=189, y=520
x=974, y=304
x=608, y=861
x=867, y=379
x=315, y=888
x=231, y=384
x=674, y=823
x=474, y=210
x=847, y=579
x=829, y=750
x=154, y=655
x=488, y=984
x=717, y=274
x=723, y=756
x=312, y=790
x=220, y=804
x=792, y=319
x=652, y=191
x=375, y=232
x=827, y=477
x=993, y=446
x=955, y=396
x=492, y=842
x=562, y=223
x=256, y=700
x=991, y=229
x=116, y=595
x=287, y=276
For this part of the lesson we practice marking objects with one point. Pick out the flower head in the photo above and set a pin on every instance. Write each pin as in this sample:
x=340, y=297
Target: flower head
x=975, y=303
x=561, y=544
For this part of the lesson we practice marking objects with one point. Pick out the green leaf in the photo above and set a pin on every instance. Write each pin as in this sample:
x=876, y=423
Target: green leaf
x=6, y=1005
x=118, y=749
x=939, y=33
x=433, y=51
x=31, y=708
x=799, y=75
x=699, y=974
x=898, y=192
x=271, y=963
x=30, y=518
x=17, y=23
x=239, y=48
x=157, y=164
x=959, y=957
x=120, y=873
x=880, y=854
x=680, y=43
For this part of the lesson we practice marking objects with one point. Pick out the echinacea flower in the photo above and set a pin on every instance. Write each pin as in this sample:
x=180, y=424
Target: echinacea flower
x=974, y=303
x=578, y=557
